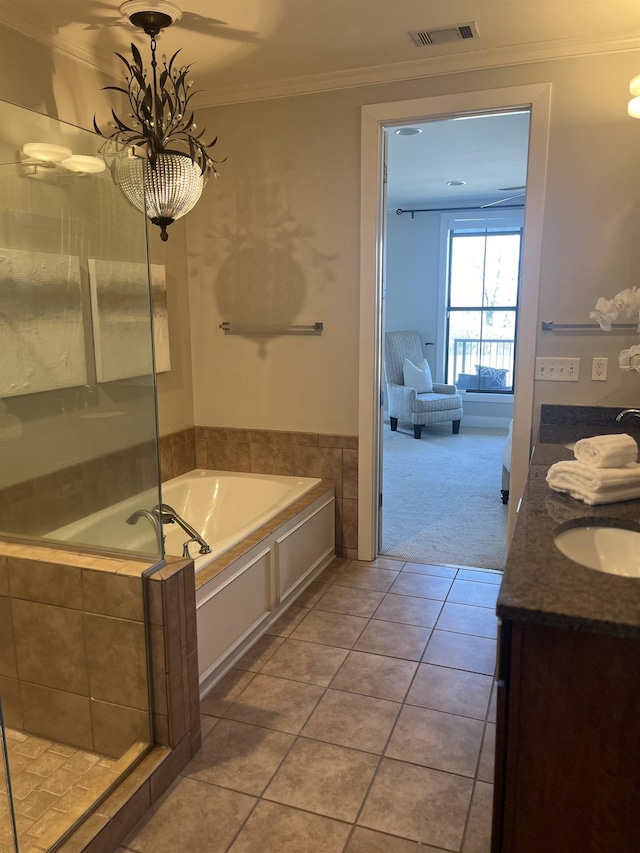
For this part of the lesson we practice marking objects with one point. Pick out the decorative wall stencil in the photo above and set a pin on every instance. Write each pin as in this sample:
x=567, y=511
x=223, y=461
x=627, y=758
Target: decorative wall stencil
x=41, y=327
x=120, y=317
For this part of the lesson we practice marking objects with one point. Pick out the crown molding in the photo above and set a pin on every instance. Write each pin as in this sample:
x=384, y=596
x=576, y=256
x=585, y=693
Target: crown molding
x=435, y=66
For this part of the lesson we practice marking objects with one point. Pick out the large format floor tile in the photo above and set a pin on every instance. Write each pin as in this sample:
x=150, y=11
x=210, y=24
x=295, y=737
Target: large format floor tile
x=323, y=778
x=193, y=816
x=363, y=722
x=418, y=803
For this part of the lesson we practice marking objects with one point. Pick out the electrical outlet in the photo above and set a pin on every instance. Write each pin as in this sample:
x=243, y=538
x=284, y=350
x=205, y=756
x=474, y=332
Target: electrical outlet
x=599, y=369
x=557, y=369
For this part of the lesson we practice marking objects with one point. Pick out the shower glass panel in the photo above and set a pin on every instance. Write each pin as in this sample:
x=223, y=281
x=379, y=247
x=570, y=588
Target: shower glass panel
x=79, y=476
x=78, y=437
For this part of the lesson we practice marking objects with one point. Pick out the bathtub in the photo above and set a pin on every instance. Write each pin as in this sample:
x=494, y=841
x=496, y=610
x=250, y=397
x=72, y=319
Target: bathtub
x=225, y=507
x=270, y=536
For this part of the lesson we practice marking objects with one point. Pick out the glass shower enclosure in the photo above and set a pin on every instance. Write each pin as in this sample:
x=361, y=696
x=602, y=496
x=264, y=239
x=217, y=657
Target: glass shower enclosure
x=79, y=476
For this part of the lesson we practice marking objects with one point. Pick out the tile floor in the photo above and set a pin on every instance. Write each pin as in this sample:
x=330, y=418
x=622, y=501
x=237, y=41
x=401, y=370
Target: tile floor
x=363, y=722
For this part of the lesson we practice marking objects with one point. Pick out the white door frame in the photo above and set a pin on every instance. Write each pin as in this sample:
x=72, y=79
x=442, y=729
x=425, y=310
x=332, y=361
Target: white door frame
x=374, y=118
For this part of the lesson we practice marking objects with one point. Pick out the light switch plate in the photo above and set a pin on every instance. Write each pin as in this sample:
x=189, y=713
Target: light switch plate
x=557, y=369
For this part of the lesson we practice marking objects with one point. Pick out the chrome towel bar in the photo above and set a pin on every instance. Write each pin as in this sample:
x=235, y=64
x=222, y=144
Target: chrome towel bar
x=242, y=329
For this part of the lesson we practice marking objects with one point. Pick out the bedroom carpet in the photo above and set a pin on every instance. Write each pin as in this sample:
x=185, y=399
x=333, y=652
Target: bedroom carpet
x=441, y=497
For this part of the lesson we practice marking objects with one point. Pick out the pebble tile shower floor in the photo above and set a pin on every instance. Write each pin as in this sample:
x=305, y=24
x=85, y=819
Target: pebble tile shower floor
x=52, y=786
x=364, y=722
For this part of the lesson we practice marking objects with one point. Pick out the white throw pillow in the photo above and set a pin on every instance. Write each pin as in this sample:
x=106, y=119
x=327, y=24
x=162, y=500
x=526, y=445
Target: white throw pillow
x=418, y=377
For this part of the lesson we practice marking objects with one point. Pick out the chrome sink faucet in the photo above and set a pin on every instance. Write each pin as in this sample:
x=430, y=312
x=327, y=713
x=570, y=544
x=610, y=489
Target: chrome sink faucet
x=170, y=516
x=626, y=413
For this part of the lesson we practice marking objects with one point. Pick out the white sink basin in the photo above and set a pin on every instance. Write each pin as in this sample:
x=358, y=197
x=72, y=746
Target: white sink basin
x=606, y=549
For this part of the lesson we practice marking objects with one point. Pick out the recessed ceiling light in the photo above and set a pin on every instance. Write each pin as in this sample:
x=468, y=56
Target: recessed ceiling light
x=407, y=131
x=456, y=183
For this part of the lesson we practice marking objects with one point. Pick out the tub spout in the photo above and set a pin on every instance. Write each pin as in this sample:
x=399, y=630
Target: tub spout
x=153, y=518
x=170, y=516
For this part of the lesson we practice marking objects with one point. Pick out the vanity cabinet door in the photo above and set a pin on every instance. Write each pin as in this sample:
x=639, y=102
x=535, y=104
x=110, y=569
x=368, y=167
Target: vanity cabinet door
x=568, y=745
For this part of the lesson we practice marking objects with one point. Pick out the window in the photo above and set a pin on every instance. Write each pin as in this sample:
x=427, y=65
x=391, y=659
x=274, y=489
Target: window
x=482, y=307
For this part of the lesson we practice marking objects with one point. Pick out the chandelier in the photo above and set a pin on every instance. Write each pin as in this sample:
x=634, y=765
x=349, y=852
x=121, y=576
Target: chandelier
x=176, y=163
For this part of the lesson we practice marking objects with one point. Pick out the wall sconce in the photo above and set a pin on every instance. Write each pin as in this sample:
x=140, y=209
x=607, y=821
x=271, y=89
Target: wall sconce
x=50, y=157
x=634, y=104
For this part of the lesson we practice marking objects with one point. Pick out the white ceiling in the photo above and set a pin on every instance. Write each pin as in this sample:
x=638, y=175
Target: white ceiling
x=251, y=49
x=488, y=153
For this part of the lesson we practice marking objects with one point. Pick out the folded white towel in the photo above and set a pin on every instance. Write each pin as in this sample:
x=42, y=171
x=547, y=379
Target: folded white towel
x=607, y=451
x=595, y=485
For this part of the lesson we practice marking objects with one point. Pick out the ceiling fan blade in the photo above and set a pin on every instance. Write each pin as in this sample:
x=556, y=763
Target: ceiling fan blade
x=500, y=200
x=511, y=189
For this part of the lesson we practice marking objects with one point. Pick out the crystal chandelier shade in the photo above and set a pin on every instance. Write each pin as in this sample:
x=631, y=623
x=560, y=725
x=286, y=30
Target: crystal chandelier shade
x=165, y=193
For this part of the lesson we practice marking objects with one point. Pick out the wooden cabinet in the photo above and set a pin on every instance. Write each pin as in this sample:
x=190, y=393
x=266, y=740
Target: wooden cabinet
x=568, y=742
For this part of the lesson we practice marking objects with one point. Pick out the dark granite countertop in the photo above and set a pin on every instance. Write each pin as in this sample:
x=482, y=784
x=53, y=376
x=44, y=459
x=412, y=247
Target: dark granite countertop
x=542, y=585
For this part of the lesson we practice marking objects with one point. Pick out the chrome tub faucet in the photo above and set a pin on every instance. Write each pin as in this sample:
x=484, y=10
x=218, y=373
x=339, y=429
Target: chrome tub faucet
x=153, y=518
x=169, y=516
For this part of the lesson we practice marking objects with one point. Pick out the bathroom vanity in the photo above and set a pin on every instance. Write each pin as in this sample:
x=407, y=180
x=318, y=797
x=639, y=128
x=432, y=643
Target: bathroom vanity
x=568, y=682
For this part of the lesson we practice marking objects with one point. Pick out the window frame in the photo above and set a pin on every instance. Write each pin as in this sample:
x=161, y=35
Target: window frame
x=478, y=221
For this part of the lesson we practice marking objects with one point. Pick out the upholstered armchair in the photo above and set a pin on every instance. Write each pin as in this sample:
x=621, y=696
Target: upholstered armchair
x=440, y=404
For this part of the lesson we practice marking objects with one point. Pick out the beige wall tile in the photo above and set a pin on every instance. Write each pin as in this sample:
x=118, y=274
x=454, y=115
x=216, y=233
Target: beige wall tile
x=170, y=768
x=112, y=594
x=345, y=441
x=56, y=715
x=348, y=522
x=49, y=583
x=166, y=463
x=158, y=669
x=227, y=456
x=7, y=645
x=183, y=457
x=201, y=453
x=350, y=474
x=116, y=728
x=117, y=661
x=50, y=647
x=11, y=704
x=271, y=459
x=153, y=586
x=4, y=575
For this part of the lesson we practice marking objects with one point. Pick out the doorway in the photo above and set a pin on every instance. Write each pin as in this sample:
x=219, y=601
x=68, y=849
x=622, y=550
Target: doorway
x=375, y=118
x=455, y=195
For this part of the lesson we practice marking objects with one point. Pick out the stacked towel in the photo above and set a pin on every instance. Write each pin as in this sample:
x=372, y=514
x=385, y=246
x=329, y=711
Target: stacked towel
x=605, y=471
x=595, y=485
x=607, y=451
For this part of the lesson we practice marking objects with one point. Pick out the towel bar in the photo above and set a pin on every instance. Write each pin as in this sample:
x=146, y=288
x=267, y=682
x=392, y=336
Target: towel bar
x=242, y=329
x=550, y=326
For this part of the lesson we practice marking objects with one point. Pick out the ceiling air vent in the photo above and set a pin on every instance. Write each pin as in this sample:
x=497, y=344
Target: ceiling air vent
x=444, y=35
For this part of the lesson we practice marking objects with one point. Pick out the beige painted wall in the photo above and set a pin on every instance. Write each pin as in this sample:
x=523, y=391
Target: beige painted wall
x=276, y=240
x=53, y=84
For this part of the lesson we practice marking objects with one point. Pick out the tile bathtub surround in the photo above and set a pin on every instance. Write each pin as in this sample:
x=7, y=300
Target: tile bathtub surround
x=110, y=591
x=73, y=653
x=333, y=458
x=334, y=735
